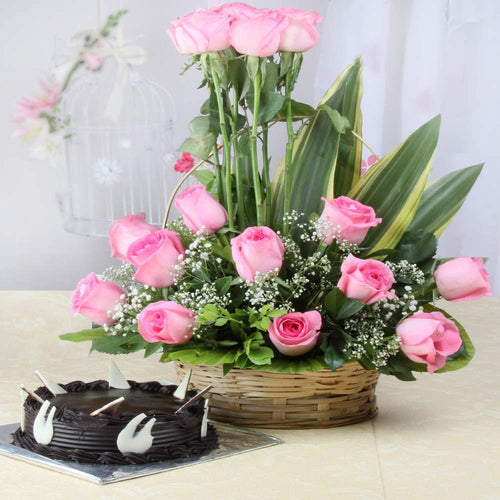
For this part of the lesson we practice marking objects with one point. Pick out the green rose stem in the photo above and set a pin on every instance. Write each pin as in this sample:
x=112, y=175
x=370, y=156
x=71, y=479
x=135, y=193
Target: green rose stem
x=289, y=145
x=257, y=81
x=237, y=169
x=265, y=171
x=227, y=150
x=218, y=173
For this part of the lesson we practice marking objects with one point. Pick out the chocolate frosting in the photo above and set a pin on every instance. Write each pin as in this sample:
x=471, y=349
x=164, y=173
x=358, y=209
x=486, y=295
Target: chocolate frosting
x=82, y=438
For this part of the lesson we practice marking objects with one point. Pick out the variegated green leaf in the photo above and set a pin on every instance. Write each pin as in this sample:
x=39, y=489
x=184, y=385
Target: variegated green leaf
x=322, y=157
x=394, y=185
x=443, y=198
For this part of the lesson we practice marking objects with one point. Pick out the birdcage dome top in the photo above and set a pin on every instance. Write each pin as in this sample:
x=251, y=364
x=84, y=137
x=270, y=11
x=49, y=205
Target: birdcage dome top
x=116, y=97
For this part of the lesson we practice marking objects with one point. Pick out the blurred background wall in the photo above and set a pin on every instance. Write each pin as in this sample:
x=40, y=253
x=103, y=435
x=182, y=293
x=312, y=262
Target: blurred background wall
x=422, y=57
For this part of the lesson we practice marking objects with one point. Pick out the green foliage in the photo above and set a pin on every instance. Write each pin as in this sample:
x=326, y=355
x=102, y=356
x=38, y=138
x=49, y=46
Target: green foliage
x=339, y=307
x=291, y=365
x=415, y=246
x=82, y=335
x=119, y=344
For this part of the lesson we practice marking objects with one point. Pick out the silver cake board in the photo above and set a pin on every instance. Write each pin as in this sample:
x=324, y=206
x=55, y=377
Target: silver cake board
x=232, y=441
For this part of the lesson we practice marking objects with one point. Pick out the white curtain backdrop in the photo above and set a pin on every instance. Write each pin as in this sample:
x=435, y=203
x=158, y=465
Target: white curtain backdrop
x=424, y=57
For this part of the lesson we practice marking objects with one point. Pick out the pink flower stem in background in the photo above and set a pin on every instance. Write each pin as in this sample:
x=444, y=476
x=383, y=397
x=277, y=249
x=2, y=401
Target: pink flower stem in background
x=227, y=147
x=257, y=82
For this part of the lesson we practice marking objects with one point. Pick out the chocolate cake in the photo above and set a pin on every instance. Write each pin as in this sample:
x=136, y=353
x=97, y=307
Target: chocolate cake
x=141, y=426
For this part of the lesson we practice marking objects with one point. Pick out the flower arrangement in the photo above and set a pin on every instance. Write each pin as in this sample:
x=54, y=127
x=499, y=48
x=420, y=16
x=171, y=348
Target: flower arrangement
x=39, y=117
x=318, y=267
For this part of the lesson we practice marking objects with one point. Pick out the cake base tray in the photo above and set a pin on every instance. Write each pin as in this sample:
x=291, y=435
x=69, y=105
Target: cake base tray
x=232, y=441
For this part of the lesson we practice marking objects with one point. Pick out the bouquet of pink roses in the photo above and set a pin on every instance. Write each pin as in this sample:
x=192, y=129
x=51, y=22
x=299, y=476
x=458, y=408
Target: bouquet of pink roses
x=321, y=265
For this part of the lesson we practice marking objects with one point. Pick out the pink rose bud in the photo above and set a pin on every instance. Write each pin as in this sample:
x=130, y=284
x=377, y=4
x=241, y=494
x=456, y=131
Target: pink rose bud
x=201, y=31
x=295, y=333
x=166, y=321
x=257, y=250
x=94, y=298
x=300, y=34
x=463, y=279
x=258, y=35
x=34, y=106
x=348, y=218
x=200, y=210
x=155, y=256
x=125, y=231
x=366, y=280
x=429, y=338
x=184, y=163
x=235, y=10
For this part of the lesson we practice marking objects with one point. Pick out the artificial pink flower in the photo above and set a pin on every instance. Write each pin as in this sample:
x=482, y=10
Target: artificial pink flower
x=365, y=165
x=166, y=321
x=350, y=218
x=258, y=35
x=463, y=279
x=125, y=231
x=200, y=210
x=184, y=163
x=300, y=35
x=94, y=298
x=429, y=338
x=257, y=250
x=296, y=333
x=366, y=280
x=155, y=256
x=34, y=106
x=201, y=31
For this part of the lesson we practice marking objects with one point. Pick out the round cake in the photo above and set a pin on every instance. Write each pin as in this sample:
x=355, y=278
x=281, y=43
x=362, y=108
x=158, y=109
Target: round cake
x=142, y=425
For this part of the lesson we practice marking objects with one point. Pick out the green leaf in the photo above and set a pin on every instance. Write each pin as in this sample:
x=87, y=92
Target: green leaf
x=272, y=76
x=201, y=147
x=200, y=126
x=339, y=122
x=395, y=184
x=333, y=302
x=294, y=365
x=119, y=344
x=260, y=355
x=224, y=252
x=333, y=358
x=152, y=348
x=465, y=354
x=300, y=111
x=349, y=308
x=206, y=177
x=202, y=357
x=82, y=335
x=227, y=367
x=222, y=285
x=270, y=104
x=416, y=246
x=443, y=198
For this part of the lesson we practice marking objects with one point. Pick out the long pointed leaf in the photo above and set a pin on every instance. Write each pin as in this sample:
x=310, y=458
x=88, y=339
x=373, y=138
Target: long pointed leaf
x=317, y=147
x=443, y=198
x=394, y=185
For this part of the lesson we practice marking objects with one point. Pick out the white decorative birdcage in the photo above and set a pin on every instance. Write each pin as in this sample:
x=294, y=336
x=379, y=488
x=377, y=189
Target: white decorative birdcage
x=119, y=155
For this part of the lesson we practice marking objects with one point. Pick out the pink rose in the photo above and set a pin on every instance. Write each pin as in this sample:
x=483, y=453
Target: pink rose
x=366, y=280
x=200, y=210
x=295, y=333
x=94, y=298
x=184, y=163
x=201, y=31
x=166, y=321
x=236, y=10
x=34, y=106
x=464, y=279
x=155, y=256
x=429, y=338
x=125, y=231
x=258, y=35
x=354, y=219
x=300, y=34
x=257, y=250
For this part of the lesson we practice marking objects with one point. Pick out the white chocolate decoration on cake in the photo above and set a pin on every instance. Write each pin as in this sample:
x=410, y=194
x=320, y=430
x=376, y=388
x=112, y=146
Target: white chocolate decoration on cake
x=130, y=441
x=204, y=422
x=51, y=386
x=23, y=414
x=116, y=378
x=180, y=392
x=42, y=427
x=109, y=405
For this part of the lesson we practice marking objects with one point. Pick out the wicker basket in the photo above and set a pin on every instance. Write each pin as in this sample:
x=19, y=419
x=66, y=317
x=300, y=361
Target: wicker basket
x=254, y=398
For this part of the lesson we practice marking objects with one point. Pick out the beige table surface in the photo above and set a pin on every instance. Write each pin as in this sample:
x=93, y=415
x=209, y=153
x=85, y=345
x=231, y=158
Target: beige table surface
x=436, y=438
